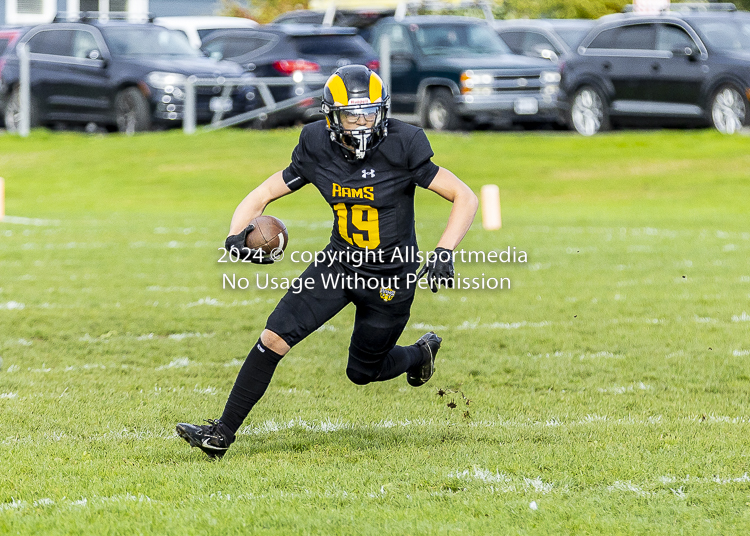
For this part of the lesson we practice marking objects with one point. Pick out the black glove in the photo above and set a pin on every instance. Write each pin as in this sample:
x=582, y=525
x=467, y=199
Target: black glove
x=235, y=245
x=439, y=269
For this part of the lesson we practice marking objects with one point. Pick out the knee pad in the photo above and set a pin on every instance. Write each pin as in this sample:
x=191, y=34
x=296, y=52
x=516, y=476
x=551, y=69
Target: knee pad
x=360, y=378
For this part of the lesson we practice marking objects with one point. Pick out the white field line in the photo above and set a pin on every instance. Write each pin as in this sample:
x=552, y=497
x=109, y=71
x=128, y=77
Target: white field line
x=127, y=498
x=106, y=337
x=332, y=426
x=180, y=362
x=488, y=482
x=642, y=232
x=19, y=220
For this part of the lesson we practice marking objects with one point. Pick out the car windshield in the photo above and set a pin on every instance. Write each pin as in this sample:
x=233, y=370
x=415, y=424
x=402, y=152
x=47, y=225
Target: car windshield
x=725, y=35
x=146, y=41
x=330, y=45
x=572, y=36
x=459, y=39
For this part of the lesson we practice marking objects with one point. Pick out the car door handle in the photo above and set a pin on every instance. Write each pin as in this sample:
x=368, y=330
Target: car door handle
x=655, y=67
x=606, y=66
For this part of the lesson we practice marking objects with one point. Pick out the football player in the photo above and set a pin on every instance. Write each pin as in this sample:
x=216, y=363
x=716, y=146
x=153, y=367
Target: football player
x=366, y=167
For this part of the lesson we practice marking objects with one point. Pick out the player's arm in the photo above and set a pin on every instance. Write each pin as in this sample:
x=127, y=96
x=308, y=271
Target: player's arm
x=439, y=267
x=256, y=201
x=250, y=208
x=465, y=204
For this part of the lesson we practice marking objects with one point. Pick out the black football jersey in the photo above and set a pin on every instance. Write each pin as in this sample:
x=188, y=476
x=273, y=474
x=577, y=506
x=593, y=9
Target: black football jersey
x=373, y=198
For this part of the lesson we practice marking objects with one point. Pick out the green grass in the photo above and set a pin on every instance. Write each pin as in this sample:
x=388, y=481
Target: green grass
x=610, y=385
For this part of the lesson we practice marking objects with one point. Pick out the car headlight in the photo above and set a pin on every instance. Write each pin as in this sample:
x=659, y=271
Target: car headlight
x=477, y=82
x=549, y=77
x=160, y=80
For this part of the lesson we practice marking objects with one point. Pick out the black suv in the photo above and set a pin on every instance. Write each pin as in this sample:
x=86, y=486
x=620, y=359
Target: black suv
x=447, y=70
x=543, y=38
x=290, y=51
x=686, y=67
x=116, y=74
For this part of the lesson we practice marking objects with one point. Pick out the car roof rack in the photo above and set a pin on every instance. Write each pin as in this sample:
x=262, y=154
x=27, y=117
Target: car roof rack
x=93, y=16
x=692, y=7
x=409, y=8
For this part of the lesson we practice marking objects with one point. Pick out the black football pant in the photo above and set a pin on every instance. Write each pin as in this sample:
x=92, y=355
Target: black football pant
x=382, y=312
x=383, y=303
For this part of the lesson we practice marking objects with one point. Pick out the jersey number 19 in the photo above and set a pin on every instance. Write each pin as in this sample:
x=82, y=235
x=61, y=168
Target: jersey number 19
x=364, y=219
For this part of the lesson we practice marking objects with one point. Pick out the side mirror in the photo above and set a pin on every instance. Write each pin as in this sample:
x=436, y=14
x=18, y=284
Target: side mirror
x=93, y=54
x=548, y=54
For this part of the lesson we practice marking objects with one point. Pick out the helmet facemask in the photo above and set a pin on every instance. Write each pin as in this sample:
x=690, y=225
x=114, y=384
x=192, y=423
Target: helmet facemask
x=358, y=127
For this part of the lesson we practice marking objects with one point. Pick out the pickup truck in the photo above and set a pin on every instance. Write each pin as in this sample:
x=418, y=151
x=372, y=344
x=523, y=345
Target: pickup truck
x=447, y=71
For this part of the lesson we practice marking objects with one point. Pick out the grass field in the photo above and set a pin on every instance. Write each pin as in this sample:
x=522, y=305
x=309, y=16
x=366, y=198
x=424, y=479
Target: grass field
x=609, y=387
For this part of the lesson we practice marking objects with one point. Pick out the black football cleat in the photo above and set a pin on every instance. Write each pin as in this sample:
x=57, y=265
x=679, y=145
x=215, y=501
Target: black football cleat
x=212, y=438
x=429, y=344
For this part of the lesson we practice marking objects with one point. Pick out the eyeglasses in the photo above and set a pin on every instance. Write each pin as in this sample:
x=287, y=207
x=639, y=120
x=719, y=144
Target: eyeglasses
x=353, y=115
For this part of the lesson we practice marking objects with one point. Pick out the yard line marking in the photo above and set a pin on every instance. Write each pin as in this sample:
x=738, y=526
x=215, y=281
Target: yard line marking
x=180, y=362
x=330, y=426
x=19, y=220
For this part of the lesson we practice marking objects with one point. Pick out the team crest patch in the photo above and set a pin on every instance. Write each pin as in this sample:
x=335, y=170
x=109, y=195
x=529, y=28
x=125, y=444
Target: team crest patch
x=387, y=293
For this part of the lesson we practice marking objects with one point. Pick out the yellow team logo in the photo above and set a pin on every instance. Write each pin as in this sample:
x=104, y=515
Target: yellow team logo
x=366, y=192
x=387, y=293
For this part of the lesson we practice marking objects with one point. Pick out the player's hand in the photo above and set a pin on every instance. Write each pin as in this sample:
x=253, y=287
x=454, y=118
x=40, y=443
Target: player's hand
x=439, y=269
x=235, y=245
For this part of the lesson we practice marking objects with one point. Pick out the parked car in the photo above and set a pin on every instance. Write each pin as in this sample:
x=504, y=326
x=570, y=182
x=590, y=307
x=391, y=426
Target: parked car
x=683, y=66
x=286, y=50
x=361, y=19
x=197, y=28
x=9, y=36
x=448, y=70
x=117, y=74
x=543, y=38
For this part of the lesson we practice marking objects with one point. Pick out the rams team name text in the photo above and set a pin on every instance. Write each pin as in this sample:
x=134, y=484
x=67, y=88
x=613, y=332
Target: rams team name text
x=358, y=282
x=367, y=192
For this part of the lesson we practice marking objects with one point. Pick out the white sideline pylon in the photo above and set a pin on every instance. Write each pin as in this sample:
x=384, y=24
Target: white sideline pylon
x=491, y=219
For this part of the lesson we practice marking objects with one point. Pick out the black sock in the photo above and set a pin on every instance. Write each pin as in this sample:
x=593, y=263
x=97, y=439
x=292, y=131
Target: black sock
x=250, y=385
x=399, y=360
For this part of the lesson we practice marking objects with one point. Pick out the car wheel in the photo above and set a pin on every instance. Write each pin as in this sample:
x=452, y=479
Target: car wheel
x=440, y=111
x=588, y=112
x=728, y=110
x=12, y=112
x=132, y=112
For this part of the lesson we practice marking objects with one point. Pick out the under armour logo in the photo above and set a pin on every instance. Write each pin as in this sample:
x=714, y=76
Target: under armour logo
x=370, y=173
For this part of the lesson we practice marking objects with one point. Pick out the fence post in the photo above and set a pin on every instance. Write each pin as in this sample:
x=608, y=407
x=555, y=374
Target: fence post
x=188, y=115
x=385, y=62
x=24, y=88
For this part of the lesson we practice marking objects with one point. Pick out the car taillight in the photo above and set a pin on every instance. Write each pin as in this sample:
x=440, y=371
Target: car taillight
x=289, y=66
x=374, y=65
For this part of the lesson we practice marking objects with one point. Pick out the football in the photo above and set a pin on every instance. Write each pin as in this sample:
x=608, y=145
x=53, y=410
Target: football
x=269, y=235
